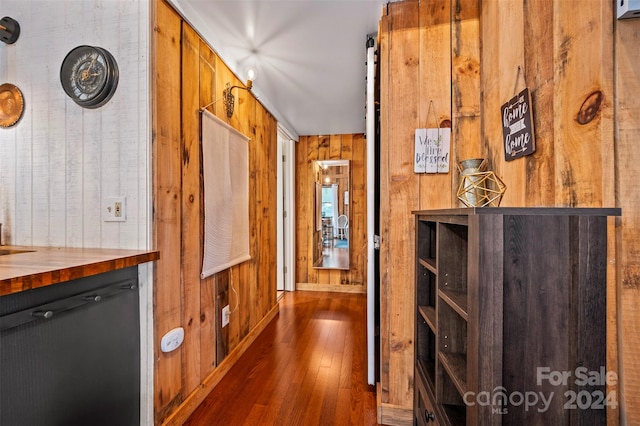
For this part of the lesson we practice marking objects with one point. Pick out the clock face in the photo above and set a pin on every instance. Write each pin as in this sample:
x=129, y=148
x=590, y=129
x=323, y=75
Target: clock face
x=89, y=75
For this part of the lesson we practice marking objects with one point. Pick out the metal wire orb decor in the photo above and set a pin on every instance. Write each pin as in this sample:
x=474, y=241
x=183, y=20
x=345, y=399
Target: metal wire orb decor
x=479, y=188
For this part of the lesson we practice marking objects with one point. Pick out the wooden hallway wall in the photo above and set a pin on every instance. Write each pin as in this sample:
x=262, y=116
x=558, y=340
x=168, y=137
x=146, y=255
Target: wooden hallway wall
x=187, y=75
x=331, y=147
x=457, y=62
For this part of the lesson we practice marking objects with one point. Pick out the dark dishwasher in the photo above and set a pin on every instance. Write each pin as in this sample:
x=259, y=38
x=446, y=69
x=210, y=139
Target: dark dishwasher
x=70, y=353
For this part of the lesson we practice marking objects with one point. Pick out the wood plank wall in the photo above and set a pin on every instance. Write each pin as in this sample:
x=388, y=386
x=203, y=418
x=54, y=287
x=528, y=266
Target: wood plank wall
x=482, y=54
x=627, y=290
x=331, y=147
x=187, y=74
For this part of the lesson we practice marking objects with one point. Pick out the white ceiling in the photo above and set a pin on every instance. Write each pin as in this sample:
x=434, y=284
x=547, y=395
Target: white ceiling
x=310, y=55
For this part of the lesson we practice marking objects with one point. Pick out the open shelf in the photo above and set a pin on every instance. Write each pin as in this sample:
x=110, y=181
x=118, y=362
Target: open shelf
x=429, y=263
x=429, y=315
x=455, y=365
x=456, y=414
x=456, y=300
x=426, y=350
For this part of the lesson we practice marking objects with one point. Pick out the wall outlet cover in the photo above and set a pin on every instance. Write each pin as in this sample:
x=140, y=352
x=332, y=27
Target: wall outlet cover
x=114, y=209
x=172, y=340
x=225, y=316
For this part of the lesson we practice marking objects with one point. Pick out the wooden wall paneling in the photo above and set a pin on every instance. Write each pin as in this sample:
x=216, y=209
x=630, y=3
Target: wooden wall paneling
x=191, y=256
x=403, y=196
x=268, y=288
x=245, y=276
x=273, y=161
x=324, y=153
x=324, y=148
x=358, y=206
x=167, y=204
x=314, y=144
x=335, y=147
x=503, y=56
x=208, y=295
x=466, y=133
x=539, y=75
x=224, y=76
x=253, y=267
x=334, y=276
x=354, y=149
x=346, y=153
x=382, y=390
x=221, y=286
x=253, y=270
x=264, y=213
x=303, y=207
x=583, y=92
x=628, y=227
x=434, y=94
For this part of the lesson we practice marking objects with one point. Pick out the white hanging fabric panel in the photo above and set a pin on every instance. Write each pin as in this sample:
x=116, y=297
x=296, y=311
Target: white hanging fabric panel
x=225, y=163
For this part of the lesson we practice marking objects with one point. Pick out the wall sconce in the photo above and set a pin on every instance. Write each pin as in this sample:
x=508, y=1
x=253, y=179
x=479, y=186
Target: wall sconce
x=230, y=100
x=9, y=30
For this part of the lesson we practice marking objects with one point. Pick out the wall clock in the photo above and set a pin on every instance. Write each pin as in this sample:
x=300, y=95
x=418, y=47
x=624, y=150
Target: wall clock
x=89, y=75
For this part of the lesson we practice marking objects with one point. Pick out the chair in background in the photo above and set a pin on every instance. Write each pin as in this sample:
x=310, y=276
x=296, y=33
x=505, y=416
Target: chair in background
x=342, y=227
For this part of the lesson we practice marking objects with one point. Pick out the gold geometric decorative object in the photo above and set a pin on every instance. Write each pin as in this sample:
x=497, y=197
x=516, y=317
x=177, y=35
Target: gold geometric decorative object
x=479, y=188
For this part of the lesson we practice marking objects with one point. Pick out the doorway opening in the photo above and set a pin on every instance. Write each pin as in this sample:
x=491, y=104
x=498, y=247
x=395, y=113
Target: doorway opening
x=286, y=213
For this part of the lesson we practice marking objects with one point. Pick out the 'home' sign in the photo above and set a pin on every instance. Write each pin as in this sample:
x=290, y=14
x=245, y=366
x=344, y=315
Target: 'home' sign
x=517, y=126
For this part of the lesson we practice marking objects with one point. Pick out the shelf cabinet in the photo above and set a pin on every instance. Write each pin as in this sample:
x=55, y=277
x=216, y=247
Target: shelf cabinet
x=508, y=300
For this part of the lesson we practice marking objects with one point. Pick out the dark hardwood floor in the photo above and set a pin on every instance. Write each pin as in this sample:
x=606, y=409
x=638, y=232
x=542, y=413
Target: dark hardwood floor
x=308, y=367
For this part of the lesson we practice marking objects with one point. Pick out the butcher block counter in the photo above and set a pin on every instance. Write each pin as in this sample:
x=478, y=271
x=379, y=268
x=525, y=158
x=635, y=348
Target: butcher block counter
x=25, y=268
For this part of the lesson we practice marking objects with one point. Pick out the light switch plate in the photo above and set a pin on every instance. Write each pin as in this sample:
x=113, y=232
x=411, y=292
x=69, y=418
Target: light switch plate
x=114, y=209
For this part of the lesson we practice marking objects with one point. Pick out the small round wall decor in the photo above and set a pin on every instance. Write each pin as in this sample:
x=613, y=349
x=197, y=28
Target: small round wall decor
x=89, y=75
x=11, y=105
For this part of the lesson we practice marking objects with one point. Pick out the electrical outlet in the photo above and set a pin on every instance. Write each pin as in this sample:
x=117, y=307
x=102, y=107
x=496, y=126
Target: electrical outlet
x=114, y=209
x=225, y=316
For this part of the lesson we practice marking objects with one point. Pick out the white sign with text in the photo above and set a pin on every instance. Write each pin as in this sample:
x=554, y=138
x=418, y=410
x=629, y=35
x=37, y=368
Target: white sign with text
x=432, y=150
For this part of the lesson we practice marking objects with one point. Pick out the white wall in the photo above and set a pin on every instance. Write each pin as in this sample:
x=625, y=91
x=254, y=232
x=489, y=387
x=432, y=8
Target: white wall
x=60, y=160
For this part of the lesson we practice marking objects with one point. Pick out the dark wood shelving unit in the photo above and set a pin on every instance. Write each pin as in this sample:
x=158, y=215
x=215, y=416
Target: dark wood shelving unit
x=499, y=293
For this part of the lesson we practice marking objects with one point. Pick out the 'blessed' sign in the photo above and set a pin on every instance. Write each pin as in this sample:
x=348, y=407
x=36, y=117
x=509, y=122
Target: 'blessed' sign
x=432, y=150
x=517, y=126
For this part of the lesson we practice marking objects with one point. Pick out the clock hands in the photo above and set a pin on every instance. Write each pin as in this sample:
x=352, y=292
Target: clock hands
x=85, y=74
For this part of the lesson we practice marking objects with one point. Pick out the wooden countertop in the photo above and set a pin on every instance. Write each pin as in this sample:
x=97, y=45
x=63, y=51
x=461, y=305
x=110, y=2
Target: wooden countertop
x=42, y=266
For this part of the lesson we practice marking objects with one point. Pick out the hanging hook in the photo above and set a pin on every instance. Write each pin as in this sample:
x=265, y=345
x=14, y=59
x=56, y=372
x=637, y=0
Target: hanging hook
x=515, y=87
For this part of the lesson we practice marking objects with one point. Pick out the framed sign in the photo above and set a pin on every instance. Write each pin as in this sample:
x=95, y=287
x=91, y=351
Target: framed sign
x=432, y=150
x=517, y=126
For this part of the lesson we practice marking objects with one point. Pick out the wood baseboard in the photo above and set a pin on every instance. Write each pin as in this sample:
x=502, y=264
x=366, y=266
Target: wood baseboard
x=189, y=405
x=392, y=415
x=336, y=288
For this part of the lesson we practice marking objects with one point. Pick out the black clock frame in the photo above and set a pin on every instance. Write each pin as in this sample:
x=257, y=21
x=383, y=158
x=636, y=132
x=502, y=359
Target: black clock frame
x=109, y=86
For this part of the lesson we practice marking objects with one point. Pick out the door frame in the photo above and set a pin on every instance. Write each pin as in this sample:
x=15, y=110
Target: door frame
x=285, y=194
